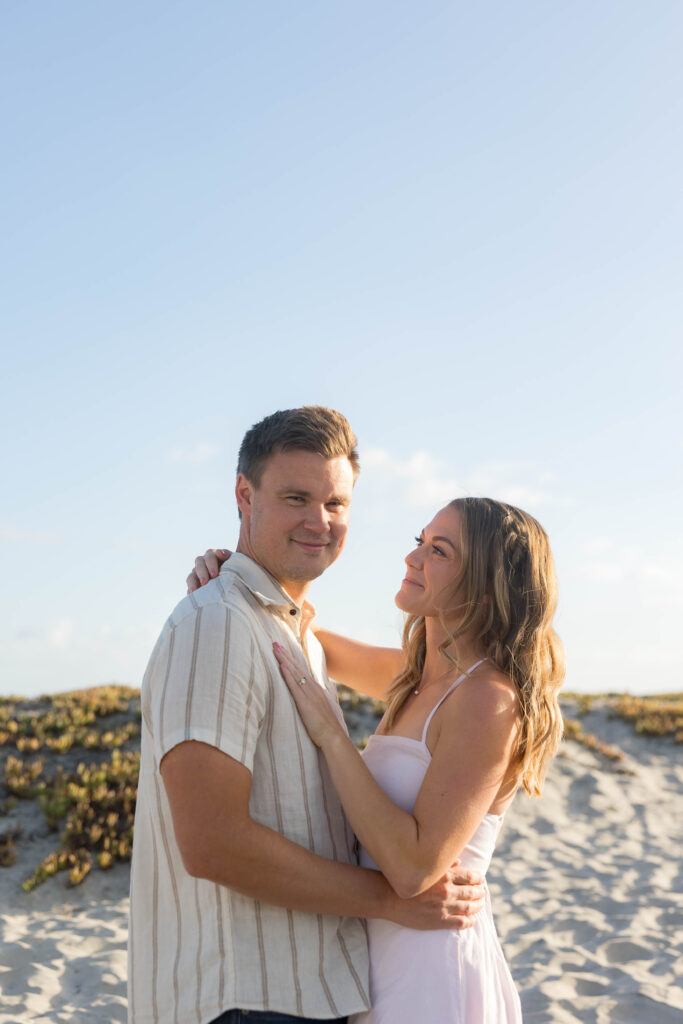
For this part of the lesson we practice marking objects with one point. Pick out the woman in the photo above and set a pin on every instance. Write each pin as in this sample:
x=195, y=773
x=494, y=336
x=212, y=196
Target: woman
x=472, y=714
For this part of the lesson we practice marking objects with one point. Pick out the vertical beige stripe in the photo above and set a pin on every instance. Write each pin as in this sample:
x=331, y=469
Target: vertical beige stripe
x=262, y=952
x=220, y=924
x=328, y=817
x=162, y=706
x=297, y=726
x=221, y=944
x=321, y=968
x=224, y=678
x=155, y=923
x=295, y=963
x=131, y=952
x=250, y=698
x=145, y=700
x=193, y=673
x=268, y=724
x=352, y=970
x=188, y=720
x=198, y=958
x=176, y=897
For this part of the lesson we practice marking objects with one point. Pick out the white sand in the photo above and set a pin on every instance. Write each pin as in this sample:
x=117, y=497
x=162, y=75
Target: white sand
x=587, y=889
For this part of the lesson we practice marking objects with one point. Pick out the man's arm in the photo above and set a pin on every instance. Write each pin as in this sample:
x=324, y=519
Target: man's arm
x=208, y=793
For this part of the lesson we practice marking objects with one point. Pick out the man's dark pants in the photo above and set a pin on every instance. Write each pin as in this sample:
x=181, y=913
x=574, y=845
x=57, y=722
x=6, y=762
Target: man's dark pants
x=271, y=1017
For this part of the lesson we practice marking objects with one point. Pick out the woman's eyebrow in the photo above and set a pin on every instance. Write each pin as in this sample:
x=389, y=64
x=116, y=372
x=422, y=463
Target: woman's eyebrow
x=445, y=540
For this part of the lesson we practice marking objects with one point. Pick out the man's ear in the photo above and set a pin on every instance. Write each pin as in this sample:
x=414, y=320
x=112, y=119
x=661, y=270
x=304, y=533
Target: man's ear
x=244, y=493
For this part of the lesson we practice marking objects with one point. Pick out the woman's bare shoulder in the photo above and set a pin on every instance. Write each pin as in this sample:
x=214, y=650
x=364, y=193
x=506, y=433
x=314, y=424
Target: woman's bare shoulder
x=489, y=693
x=485, y=708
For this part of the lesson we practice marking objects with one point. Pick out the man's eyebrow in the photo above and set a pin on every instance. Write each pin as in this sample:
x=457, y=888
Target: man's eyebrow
x=295, y=490
x=299, y=493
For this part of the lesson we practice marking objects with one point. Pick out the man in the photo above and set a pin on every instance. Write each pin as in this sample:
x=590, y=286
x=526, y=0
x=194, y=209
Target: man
x=245, y=897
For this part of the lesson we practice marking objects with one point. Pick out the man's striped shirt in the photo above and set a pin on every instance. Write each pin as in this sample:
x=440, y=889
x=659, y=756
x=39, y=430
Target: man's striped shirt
x=197, y=948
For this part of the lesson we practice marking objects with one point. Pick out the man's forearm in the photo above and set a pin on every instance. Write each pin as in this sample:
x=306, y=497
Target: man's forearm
x=218, y=840
x=262, y=864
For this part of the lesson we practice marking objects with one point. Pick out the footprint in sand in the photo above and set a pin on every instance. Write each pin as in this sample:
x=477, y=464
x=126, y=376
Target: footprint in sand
x=638, y=1009
x=622, y=952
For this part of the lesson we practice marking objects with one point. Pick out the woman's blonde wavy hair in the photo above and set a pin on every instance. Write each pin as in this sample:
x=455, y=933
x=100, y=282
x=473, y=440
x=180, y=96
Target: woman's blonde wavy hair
x=507, y=598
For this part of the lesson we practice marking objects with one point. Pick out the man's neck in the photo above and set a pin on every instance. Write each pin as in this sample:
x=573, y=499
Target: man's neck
x=296, y=589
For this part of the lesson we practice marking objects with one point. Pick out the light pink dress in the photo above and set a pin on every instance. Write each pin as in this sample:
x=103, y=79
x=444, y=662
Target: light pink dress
x=435, y=977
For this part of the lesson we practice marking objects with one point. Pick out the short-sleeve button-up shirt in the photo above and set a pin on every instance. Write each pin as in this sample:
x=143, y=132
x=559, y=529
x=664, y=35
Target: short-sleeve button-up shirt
x=197, y=948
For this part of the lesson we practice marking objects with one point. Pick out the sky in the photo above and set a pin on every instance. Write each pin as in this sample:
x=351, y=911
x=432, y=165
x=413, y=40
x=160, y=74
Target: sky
x=459, y=224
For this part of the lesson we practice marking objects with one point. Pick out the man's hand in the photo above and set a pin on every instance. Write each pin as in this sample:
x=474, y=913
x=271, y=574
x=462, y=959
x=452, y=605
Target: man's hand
x=451, y=903
x=206, y=567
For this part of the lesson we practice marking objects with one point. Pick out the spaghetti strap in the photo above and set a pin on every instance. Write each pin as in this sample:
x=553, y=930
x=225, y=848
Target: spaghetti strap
x=448, y=692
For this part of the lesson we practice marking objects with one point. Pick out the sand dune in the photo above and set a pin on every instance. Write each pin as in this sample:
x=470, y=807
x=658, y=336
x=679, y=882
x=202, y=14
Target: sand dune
x=587, y=890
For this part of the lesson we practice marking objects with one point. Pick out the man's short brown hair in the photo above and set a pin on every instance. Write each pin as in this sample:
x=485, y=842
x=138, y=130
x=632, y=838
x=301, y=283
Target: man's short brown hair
x=312, y=428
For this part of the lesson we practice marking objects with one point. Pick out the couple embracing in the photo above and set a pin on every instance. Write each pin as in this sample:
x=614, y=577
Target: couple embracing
x=249, y=901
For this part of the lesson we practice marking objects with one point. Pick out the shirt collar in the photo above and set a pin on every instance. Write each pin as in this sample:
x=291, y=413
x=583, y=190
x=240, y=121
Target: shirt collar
x=263, y=586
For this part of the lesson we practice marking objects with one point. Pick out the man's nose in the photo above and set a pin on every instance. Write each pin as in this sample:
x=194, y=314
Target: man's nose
x=317, y=519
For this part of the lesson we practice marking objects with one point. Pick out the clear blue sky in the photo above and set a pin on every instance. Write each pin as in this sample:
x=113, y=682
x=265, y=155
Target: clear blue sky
x=459, y=224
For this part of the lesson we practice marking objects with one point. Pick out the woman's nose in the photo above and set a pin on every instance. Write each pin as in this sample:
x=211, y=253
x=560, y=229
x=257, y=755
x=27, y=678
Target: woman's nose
x=413, y=558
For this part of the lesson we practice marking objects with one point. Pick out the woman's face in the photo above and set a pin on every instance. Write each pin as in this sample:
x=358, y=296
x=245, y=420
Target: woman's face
x=432, y=567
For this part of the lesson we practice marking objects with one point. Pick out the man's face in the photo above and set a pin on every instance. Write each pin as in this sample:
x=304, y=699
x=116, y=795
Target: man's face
x=294, y=523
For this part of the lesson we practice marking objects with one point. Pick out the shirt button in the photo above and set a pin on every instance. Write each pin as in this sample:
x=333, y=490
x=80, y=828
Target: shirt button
x=292, y=611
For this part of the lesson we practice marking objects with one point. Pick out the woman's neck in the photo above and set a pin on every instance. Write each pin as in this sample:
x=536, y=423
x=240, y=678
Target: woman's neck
x=437, y=665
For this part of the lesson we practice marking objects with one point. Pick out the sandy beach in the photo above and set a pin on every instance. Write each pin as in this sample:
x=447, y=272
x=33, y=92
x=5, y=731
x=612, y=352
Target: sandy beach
x=587, y=890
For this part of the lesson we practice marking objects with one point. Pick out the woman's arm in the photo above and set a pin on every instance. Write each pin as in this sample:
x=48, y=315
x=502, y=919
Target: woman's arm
x=360, y=666
x=471, y=757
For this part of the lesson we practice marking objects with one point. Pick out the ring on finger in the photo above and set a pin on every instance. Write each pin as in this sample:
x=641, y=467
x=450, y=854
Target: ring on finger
x=302, y=681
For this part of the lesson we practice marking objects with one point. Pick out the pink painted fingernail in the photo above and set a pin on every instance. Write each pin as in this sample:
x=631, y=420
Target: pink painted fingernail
x=213, y=573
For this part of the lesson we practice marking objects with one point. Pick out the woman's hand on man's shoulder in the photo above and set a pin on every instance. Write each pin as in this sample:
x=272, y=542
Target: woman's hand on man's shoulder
x=206, y=567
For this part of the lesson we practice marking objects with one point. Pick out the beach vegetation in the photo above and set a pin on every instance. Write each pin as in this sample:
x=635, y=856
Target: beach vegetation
x=653, y=716
x=92, y=805
x=8, y=853
x=65, y=720
x=574, y=730
x=96, y=804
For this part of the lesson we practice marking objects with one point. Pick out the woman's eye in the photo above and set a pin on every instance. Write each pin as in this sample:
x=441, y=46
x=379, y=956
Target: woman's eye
x=418, y=541
x=438, y=550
